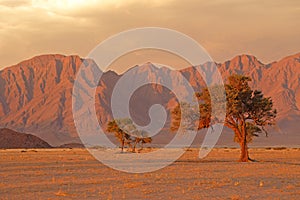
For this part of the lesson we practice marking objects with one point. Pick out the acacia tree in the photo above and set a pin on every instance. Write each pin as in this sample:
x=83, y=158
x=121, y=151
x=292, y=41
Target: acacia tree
x=140, y=137
x=248, y=112
x=122, y=136
x=127, y=133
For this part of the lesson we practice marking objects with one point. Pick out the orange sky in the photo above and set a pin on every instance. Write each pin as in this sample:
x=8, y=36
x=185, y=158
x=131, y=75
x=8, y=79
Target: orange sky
x=267, y=29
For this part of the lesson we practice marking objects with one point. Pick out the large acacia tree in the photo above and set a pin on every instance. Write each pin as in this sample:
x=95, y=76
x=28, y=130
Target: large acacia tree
x=248, y=112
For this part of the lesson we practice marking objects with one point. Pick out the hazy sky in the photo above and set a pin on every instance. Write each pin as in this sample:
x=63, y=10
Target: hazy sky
x=268, y=29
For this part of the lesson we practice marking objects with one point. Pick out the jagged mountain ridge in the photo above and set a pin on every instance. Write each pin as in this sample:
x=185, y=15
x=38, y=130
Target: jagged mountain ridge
x=36, y=94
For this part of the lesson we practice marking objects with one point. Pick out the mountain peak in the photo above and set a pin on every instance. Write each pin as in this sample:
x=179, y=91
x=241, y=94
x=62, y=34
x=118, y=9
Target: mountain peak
x=149, y=65
x=45, y=59
x=146, y=67
x=246, y=58
x=243, y=62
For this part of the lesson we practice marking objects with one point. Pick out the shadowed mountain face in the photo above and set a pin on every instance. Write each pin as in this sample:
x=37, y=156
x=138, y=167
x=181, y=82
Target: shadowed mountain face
x=36, y=94
x=10, y=139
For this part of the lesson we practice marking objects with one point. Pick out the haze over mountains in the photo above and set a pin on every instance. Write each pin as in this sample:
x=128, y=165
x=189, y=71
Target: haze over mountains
x=36, y=94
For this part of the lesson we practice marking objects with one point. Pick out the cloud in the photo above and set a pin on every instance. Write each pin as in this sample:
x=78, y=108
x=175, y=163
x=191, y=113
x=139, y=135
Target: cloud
x=15, y=3
x=224, y=27
x=71, y=5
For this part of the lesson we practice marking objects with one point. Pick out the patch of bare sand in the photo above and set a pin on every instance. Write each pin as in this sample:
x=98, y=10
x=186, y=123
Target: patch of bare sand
x=75, y=174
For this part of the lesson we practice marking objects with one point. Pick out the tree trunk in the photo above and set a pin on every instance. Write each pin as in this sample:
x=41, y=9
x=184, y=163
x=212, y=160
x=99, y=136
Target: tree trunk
x=244, y=152
x=137, y=140
x=134, y=145
x=123, y=143
x=243, y=143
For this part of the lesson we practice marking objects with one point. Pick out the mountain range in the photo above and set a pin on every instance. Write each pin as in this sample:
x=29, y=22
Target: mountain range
x=36, y=94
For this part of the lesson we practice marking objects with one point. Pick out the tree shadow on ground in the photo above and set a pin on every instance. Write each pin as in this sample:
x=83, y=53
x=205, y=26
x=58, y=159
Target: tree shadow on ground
x=280, y=162
x=236, y=161
x=205, y=161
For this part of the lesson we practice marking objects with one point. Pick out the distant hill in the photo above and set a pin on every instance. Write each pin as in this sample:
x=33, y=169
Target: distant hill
x=36, y=94
x=10, y=139
x=71, y=145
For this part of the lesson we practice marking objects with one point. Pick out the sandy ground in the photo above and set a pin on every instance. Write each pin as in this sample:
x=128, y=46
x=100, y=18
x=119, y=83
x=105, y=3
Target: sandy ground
x=75, y=174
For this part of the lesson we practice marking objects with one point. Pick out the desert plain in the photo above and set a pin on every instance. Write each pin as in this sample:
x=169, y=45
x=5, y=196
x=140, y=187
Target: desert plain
x=76, y=174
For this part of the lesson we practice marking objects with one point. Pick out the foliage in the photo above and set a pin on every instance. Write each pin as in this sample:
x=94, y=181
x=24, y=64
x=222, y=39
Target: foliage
x=127, y=134
x=185, y=116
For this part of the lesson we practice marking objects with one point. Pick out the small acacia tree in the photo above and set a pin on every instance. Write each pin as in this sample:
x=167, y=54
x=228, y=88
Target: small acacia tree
x=122, y=136
x=127, y=133
x=248, y=112
x=140, y=137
